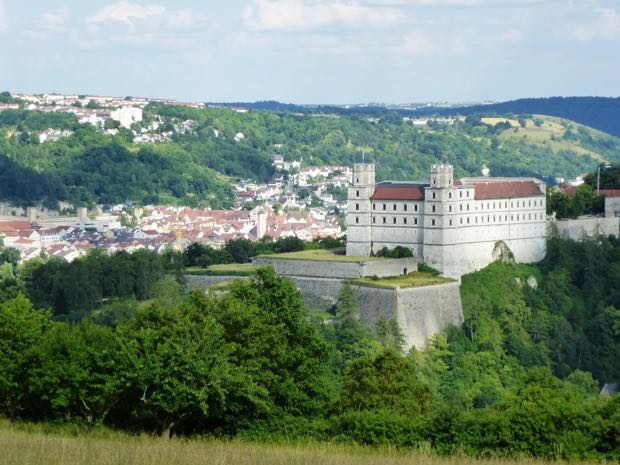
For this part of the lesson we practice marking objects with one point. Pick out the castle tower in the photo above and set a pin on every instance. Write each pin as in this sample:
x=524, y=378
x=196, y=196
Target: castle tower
x=359, y=229
x=439, y=209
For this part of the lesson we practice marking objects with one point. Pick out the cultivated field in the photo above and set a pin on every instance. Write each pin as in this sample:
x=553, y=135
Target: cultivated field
x=38, y=448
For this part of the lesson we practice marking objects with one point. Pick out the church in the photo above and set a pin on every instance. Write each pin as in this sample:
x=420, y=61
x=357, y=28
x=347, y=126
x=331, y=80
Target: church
x=454, y=225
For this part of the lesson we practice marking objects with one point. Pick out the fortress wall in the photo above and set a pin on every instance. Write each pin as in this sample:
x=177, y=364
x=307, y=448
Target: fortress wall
x=424, y=311
x=340, y=270
x=586, y=226
x=420, y=311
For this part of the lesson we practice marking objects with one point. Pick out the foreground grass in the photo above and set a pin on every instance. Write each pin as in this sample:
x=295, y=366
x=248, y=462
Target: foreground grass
x=416, y=279
x=19, y=447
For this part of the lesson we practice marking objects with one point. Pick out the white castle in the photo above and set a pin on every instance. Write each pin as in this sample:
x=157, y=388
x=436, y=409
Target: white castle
x=457, y=226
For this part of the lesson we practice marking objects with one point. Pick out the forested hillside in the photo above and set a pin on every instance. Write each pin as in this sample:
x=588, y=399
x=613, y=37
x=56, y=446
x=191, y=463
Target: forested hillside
x=602, y=113
x=520, y=377
x=196, y=167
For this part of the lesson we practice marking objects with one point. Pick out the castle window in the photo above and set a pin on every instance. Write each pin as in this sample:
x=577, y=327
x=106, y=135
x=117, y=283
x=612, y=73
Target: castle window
x=394, y=207
x=374, y=206
x=461, y=194
x=434, y=181
x=449, y=195
x=493, y=218
x=357, y=180
x=505, y=217
x=529, y=203
x=357, y=220
x=476, y=219
x=357, y=193
x=433, y=222
x=488, y=218
x=415, y=207
x=404, y=220
x=467, y=207
x=512, y=218
x=529, y=216
x=415, y=221
x=505, y=204
x=433, y=195
x=357, y=206
x=433, y=208
x=384, y=207
x=482, y=206
x=488, y=205
x=511, y=204
x=450, y=222
x=405, y=207
x=461, y=220
x=394, y=220
x=467, y=193
x=493, y=205
x=517, y=217
x=450, y=208
x=374, y=220
x=468, y=220
x=461, y=207
x=384, y=220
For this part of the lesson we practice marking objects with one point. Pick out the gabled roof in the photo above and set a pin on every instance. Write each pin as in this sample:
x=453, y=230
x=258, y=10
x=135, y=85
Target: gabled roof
x=398, y=191
x=501, y=188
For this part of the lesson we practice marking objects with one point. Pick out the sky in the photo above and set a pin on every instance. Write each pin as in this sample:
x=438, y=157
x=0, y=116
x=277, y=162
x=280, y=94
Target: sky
x=312, y=51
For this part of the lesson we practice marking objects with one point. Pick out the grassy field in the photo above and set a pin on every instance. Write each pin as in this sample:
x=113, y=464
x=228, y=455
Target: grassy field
x=320, y=255
x=39, y=448
x=549, y=133
x=229, y=269
x=416, y=279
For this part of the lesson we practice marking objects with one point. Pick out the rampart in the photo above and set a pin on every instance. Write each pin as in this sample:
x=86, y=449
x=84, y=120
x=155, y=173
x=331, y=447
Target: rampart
x=340, y=269
x=420, y=311
x=585, y=226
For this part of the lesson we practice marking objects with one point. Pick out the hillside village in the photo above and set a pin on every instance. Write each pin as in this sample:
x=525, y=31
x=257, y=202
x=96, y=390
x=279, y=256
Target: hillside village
x=292, y=205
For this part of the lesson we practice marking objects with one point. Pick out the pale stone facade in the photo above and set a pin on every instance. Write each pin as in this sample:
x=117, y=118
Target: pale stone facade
x=456, y=226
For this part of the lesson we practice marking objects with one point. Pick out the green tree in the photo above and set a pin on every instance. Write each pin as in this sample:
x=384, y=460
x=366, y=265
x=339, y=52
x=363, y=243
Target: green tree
x=21, y=328
x=179, y=365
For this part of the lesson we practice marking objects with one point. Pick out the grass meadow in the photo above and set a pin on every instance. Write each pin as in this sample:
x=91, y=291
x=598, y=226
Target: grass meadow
x=37, y=446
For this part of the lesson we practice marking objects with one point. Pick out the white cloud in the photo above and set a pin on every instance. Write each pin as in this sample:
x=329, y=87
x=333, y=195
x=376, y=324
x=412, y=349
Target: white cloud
x=605, y=26
x=307, y=14
x=3, y=18
x=126, y=12
x=511, y=37
x=416, y=43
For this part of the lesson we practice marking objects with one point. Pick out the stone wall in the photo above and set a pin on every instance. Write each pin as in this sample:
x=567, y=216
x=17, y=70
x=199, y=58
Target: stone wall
x=340, y=269
x=420, y=311
x=585, y=226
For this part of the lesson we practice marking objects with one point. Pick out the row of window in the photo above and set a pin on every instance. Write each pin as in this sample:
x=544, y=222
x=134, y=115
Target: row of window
x=519, y=204
x=489, y=219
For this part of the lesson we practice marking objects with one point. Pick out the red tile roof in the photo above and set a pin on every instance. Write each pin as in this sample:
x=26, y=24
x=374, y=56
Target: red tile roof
x=610, y=192
x=508, y=189
x=398, y=191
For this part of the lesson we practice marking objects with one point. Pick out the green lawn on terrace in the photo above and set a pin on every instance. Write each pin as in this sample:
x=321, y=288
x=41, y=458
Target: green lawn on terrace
x=227, y=269
x=320, y=255
x=415, y=279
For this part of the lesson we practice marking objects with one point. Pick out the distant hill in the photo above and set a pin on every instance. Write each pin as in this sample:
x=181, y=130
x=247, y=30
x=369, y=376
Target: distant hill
x=602, y=113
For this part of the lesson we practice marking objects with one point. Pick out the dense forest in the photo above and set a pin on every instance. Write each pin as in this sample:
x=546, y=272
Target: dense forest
x=520, y=377
x=196, y=167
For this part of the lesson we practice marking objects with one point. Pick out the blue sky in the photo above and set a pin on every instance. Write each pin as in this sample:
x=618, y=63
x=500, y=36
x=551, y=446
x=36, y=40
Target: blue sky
x=312, y=51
